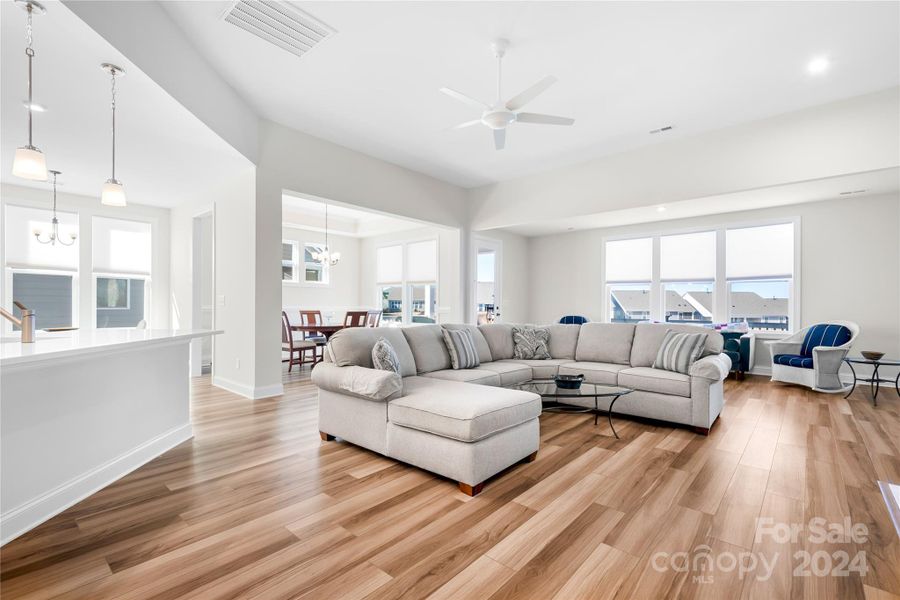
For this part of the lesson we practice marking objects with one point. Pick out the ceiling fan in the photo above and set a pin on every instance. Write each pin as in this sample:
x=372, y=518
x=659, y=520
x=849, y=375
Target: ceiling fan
x=500, y=115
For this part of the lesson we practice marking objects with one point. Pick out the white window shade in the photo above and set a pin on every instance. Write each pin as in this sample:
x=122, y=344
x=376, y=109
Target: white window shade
x=760, y=252
x=688, y=257
x=629, y=260
x=390, y=264
x=121, y=246
x=421, y=261
x=23, y=250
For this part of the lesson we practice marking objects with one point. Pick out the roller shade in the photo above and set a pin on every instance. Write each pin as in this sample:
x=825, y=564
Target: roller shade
x=23, y=250
x=760, y=252
x=421, y=261
x=688, y=257
x=389, y=264
x=629, y=260
x=121, y=246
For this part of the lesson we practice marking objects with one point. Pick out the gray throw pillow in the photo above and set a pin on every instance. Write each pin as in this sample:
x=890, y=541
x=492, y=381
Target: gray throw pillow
x=384, y=357
x=679, y=351
x=531, y=343
x=461, y=346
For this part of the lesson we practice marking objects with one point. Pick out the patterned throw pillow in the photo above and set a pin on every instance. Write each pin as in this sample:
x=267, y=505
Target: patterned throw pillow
x=461, y=346
x=679, y=351
x=531, y=343
x=384, y=357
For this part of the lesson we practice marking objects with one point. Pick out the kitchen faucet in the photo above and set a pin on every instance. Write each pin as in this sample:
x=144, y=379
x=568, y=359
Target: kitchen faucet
x=26, y=322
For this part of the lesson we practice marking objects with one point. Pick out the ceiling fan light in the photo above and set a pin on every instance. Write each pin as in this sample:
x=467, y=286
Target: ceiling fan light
x=30, y=163
x=113, y=193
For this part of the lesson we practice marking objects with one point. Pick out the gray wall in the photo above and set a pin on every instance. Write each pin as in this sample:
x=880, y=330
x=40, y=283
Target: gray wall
x=124, y=317
x=49, y=296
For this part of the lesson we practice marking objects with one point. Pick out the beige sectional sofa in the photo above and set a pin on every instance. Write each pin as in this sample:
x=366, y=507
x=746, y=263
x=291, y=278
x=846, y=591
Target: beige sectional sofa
x=463, y=425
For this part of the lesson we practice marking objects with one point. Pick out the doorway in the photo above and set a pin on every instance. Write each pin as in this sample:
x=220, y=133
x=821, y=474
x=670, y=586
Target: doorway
x=203, y=283
x=487, y=288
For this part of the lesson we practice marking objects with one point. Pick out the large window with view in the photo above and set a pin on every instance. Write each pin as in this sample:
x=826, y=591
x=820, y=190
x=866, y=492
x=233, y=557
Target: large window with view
x=42, y=277
x=122, y=254
x=740, y=275
x=407, y=282
x=389, y=275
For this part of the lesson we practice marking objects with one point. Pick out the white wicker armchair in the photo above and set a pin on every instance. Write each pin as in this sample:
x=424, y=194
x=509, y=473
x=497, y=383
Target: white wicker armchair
x=813, y=363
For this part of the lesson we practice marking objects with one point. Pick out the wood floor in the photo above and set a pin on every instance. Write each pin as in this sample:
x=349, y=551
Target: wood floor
x=256, y=506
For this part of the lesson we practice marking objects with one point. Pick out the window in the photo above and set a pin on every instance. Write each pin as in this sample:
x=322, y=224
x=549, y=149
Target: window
x=759, y=270
x=407, y=282
x=314, y=270
x=42, y=277
x=726, y=275
x=629, y=269
x=289, y=260
x=122, y=263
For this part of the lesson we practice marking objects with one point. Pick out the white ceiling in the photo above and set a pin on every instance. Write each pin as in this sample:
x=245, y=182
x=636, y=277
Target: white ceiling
x=308, y=212
x=165, y=155
x=623, y=69
x=872, y=183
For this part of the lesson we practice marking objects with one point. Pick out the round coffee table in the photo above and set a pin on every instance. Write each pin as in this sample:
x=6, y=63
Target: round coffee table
x=875, y=380
x=557, y=396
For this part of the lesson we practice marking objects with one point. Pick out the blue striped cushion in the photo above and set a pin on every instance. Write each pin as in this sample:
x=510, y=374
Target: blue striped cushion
x=793, y=360
x=574, y=320
x=824, y=335
x=461, y=346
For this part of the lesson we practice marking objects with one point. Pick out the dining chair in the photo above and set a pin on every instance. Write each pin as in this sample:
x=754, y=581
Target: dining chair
x=356, y=318
x=313, y=317
x=294, y=347
x=373, y=318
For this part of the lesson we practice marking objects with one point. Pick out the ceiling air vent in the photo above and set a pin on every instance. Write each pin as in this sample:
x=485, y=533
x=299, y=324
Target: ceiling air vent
x=663, y=129
x=278, y=23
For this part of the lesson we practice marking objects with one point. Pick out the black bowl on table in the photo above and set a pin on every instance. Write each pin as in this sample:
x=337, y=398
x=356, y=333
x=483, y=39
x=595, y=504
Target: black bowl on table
x=568, y=382
x=872, y=355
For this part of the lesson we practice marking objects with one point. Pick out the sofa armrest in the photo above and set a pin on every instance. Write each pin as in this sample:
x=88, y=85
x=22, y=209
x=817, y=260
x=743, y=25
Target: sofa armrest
x=714, y=367
x=370, y=384
x=828, y=359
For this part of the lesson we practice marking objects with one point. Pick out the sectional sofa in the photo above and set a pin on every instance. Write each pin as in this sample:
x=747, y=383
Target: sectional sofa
x=464, y=425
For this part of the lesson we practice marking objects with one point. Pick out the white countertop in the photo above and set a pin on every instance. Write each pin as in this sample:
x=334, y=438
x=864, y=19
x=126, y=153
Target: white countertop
x=53, y=345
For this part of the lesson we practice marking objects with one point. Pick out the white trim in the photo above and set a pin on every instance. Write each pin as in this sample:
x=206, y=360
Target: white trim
x=250, y=392
x=31, y=514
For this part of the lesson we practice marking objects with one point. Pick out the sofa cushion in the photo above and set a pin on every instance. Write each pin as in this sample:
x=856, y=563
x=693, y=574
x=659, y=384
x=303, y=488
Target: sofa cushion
x=461, y=411
x=461, y=347
x=540, y=369
x=476, y=375
x=594, y=372
x=605, y=343
x=510, y=372
x=793, y=360
x=656, y=380
x=481, y=345
x=563, y=340
x=428, y=348
x=499, y=339
x=824, y=334
x=648, y=337
x=531, y=343
x=679, y=351
x=353, y=347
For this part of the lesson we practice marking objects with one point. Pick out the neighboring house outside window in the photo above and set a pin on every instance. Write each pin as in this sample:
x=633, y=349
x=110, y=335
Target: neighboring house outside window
x=122, y=256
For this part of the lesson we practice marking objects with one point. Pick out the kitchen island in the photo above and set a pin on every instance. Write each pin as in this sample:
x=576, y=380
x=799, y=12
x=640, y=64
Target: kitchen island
x=81, y=409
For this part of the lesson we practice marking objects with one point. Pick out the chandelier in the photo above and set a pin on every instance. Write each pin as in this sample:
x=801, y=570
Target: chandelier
x=53, y=238
x=326, y=256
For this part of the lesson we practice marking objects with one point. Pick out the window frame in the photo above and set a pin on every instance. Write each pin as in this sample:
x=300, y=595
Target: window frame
x=405, y=283
x=326, y=268
x=8, y=272
x=148, y=295
x=721, y=308
x=293, y=262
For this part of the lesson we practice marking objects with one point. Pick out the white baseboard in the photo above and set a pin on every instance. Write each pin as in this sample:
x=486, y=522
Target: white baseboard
x=253, y=393
x=25, y=517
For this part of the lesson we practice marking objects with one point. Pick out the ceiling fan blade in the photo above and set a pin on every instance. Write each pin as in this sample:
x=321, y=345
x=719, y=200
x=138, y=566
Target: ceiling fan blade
x=499, y=139
x=463, y=98
x=531, y=93
x=543, y=119
x=467, y=124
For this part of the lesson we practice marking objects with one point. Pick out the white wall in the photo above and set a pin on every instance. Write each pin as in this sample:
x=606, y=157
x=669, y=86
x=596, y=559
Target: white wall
x=87, y=208
x=342, y=291
x=850, y=136
x=450, y=297
x=850, y=266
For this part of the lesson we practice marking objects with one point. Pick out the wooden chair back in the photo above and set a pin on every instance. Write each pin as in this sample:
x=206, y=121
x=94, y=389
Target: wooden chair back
x=311, y=317
x=287, y=339
x=355, y=318
x=373, y=318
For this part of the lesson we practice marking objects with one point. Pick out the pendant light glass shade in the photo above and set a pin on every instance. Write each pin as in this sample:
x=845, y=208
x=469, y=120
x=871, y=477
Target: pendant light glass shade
x=30, y=164
x=113, y=193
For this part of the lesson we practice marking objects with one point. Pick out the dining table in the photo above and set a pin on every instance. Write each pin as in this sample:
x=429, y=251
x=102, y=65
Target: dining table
x=325, y=330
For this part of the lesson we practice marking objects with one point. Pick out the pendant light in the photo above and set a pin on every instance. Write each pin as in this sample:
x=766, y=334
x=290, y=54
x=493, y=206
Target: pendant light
x=29, y=162
x=326, y=256
x=113, y=191
x=53, y=238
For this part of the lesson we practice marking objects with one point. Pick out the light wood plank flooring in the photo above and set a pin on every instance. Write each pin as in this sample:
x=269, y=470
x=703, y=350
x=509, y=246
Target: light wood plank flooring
x=256, y=506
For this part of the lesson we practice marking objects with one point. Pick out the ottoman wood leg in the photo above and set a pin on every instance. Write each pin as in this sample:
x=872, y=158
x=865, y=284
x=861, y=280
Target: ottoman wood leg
x=471, y=490
x=325, y=437
x=530, y=458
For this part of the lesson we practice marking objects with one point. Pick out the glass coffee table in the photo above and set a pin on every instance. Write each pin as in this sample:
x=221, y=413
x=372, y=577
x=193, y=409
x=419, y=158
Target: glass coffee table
x=554, y=397
x=875, y=380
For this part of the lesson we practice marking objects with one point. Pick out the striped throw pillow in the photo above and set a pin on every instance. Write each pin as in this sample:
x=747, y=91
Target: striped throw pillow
x=679, y=351
x=461, y=346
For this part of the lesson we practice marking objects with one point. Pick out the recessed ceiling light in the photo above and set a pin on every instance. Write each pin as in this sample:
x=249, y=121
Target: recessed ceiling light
x=660, y=209
x=34, y=106
x=818, y=65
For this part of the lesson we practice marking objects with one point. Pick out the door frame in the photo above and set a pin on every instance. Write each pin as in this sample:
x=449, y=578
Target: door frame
x=196, y=357
x=488, y=243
